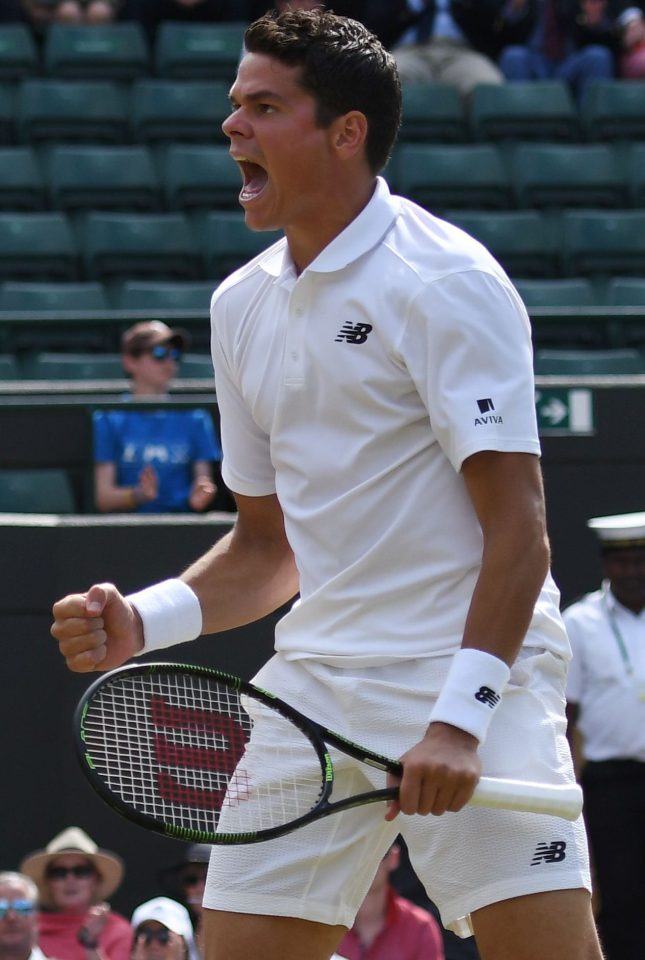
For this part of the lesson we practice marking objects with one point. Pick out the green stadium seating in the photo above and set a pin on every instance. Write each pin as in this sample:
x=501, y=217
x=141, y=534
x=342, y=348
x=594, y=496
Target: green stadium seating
x=531, y=110
x=603, y=242
x=557, y=292
x=145, y=245
x=72, y=366
x=59, y=297
x=80, y=176
x=7, y=115
x=21, y=182
x=162, y=295
x=36, y=491
x=179, y=110
x=614, y=110
x=37, y=245
x=432, y=112
x=18, y=52
x=91, y=111
x=197, y=175
x=588, y=362
x=196, y=366
x=437, y=176
x=626, y=292
x=519, y=239
x=635, y=173
x=198, y=51
x=227, y=243
x=9, y=369
x=115, y=51
x=567, y=175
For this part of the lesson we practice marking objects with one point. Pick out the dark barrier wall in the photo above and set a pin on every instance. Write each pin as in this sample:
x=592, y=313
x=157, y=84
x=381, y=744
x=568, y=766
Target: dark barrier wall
x=42, y=788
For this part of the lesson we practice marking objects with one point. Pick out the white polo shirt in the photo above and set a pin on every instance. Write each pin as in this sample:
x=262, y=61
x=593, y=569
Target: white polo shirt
x=607, y=676
x=355, y=391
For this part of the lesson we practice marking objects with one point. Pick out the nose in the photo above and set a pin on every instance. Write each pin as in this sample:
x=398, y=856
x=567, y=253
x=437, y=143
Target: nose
x=236, y=125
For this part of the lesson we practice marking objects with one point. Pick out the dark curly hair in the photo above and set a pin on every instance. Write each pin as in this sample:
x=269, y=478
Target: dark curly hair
x=344, y=67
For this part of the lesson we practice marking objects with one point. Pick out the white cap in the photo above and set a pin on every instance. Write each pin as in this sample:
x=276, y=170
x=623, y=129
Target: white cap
x=620, y=530
x=166, y=911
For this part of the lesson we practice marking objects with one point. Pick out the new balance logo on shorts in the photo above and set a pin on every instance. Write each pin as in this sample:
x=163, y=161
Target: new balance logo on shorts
x=353, y=332
x=487, y=696
x=549, y=852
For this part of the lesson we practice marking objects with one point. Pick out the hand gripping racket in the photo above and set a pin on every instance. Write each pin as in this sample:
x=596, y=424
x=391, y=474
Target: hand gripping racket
x=169, y=746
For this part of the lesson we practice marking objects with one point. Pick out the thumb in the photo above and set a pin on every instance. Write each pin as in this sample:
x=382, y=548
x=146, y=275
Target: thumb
x=95, y=600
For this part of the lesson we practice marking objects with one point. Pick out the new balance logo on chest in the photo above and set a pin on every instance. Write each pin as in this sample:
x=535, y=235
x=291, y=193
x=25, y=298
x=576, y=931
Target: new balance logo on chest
x=553, y=852
x=353, y=333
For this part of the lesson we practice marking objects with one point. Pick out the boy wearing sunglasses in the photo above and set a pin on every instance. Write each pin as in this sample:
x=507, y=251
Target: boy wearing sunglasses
x=153, y=460
x=162, y=931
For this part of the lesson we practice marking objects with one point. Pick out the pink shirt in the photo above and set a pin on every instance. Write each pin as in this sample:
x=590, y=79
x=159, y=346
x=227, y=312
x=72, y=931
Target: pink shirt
x=58, y=936
x=410, y=933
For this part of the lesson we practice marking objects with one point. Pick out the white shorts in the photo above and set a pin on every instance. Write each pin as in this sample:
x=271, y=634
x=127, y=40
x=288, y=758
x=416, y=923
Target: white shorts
x=465, y=860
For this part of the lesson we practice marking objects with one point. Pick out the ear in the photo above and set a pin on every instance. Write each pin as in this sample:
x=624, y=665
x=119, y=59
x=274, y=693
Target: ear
x=349, y=133
x=129, y=363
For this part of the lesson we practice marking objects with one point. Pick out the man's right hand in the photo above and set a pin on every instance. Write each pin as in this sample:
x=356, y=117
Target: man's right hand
x=97, y=630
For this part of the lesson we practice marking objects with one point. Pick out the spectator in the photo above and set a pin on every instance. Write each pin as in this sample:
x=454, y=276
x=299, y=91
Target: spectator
x=153, y=460
x=151, y=13
x=162, y=931
x=75, y=878
x=606, y=703
x=457, y=41
x=388, y=926
x=631, y=27
x=42, y=13
x=573, y=40
x=185, y=882
x=18, y=918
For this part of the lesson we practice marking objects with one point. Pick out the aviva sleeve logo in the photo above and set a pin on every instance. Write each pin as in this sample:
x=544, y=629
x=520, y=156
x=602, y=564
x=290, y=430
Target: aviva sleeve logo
x=487, y=414
x=353, y=333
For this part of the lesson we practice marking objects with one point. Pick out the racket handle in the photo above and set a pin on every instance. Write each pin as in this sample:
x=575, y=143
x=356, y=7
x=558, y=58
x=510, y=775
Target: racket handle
x=559, y=800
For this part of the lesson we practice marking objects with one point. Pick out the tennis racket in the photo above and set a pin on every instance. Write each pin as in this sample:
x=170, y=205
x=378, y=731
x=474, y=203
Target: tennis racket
x=169, y=746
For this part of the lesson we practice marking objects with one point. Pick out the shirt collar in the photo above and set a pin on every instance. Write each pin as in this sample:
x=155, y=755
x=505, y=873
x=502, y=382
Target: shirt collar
x=363, y=233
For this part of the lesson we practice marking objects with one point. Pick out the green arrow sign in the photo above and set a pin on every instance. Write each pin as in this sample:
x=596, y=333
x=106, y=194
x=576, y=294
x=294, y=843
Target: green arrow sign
x=564, y=411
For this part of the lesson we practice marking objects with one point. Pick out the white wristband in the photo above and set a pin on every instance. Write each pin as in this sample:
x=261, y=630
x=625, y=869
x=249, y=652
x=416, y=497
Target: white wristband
x=472, y=691
x=170, y=613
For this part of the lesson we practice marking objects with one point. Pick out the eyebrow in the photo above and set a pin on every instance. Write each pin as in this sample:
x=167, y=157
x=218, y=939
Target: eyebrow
x=258, y=95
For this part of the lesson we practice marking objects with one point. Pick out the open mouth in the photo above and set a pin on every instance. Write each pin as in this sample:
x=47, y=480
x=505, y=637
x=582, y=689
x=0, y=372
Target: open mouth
x=254, y=179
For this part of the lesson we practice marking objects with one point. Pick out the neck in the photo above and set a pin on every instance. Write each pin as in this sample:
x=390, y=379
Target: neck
x=144, y=390
x=370, y=919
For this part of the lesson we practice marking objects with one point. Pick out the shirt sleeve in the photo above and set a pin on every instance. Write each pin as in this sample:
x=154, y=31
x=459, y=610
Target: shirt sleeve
x=467, y=344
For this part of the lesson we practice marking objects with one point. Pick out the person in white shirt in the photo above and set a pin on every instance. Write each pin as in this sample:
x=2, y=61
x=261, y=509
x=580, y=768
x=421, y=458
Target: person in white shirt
x=374, y=376
x=606, y=706
x=18, y=918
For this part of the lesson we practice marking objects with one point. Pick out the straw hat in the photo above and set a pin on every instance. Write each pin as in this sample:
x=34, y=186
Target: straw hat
x=109, y=866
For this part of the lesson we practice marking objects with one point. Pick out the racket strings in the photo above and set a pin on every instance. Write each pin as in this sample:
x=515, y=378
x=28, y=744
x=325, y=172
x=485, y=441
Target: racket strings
x=175, y=747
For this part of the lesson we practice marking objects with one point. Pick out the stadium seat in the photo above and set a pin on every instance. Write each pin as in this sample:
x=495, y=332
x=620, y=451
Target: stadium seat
x=635, y=173
x=73, y=366
x=9, y=369
x=567, y=175
x=227, y=243
x=80, y=176
x=531, y=110
x=520, y=239
x=196, y=175
x=626, y=292
x=21, y=182
x=58, y=297
x=557, y=292
x=196, y=366
x=130, y=245
x=588, y=362
x=614, y=110
x=7, y=115
x=198, y=51
x=36, y=491
x=437, y=176
x=91, y=111
x=114, y=51
x=603, y=242
x=179, y=110
x=37, y=245
x=161, y=295
x=18, y=52
x=432, y=112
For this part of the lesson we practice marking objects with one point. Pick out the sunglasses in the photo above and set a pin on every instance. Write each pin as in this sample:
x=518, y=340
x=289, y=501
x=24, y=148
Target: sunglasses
x=22, y=907
x=159, y=352
x=149, y=936
x=81, y=871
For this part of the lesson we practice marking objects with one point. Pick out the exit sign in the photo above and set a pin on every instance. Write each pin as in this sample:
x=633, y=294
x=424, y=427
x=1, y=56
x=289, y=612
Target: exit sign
x=564, y=411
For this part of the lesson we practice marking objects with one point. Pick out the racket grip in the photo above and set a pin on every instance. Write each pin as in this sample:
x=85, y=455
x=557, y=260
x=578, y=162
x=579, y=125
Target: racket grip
x=558, y=800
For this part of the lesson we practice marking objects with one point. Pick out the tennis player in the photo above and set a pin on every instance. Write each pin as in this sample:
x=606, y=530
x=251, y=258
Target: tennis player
x=374, y=376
